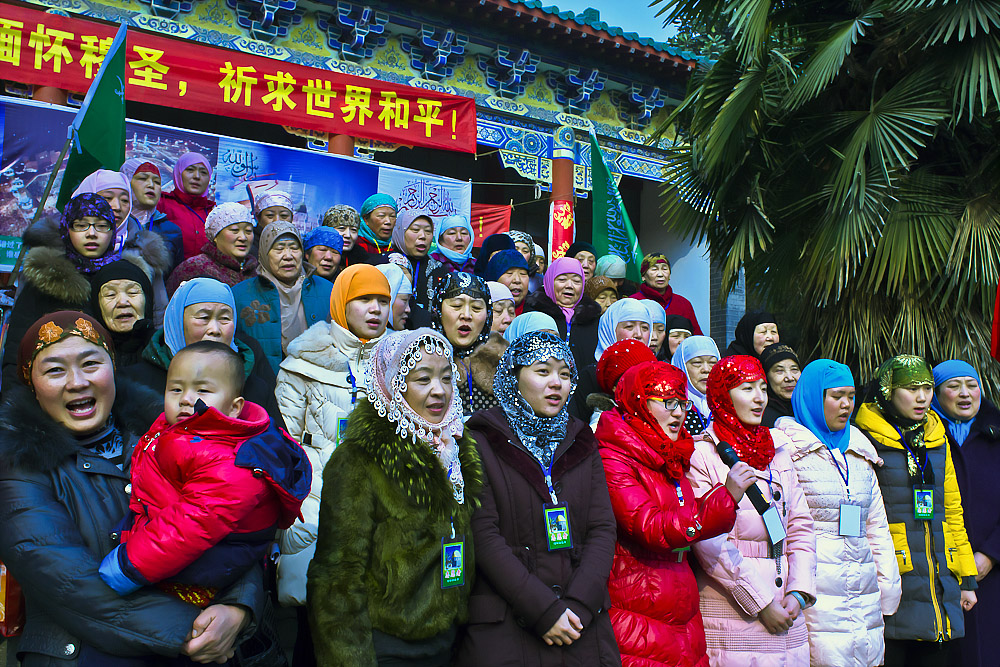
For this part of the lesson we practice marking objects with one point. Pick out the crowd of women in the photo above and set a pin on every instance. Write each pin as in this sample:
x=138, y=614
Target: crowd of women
x=514, y=462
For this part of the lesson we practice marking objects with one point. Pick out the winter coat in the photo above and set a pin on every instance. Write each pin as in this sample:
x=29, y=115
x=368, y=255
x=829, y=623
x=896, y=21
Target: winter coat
x=316, y=396
x=476, y=388
x=358, y=255
x=436, y=269
x=583, y=330
x=654, y=596
x=419, y=266
x=521, y=587
x=857, y=580
x=171, y=234
x=208, y=494
x=977, y=468
x=387, y=503
x=738, y=576
x=51, y=282
x=189, y=213
x=581, y=405
x=59, y=508
x=212, y=263
x=258, y=311
x=934, y=557
x=673, y=304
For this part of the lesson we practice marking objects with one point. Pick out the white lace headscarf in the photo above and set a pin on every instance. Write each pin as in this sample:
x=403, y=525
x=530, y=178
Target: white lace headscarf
x=385, y=379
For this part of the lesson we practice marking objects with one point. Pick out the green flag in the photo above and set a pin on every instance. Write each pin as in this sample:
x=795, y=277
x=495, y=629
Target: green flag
x=613, y=233
x=97, y=135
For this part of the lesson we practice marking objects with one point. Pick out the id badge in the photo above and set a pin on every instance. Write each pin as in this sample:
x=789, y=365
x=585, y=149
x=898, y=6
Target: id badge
x=341, y=430
x=772, y=522
x=453, y=562
x=557, y=527
x=923, y=503
x=850, y=520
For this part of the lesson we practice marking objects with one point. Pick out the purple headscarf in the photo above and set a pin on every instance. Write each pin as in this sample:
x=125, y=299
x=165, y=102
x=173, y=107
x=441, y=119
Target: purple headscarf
x=186, y=161
x=87, y=204
x=558, y=268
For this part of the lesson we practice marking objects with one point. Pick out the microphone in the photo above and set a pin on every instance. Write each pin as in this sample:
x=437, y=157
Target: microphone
x=731, y=458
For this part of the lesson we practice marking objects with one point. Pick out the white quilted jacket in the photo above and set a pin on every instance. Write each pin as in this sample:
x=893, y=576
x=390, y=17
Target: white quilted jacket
x=314, y=395
x=857, y=579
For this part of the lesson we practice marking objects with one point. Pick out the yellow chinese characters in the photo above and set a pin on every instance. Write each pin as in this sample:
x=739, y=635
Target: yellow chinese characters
x=237, y=83
x=148, y=71
x=395, y=111
x=94, y=49
x=357, y=104
x=10, y=41
x=319, y=97
x=280, y=87
x=49, y=45
x=428, y=114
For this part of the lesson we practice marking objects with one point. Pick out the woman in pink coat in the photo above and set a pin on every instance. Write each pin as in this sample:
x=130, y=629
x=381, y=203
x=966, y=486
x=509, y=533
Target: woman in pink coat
x=754, y=582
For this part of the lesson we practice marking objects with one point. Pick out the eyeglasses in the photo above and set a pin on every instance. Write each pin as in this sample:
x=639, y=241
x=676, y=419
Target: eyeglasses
x=672, y=404
x=82, y=226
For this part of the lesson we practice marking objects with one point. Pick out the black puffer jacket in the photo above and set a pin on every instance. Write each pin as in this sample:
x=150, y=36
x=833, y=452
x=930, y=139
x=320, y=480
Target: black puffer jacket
x=59, y=507
x=583, y=330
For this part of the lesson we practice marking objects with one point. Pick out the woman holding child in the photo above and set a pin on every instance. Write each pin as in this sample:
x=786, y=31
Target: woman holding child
x=66, y=435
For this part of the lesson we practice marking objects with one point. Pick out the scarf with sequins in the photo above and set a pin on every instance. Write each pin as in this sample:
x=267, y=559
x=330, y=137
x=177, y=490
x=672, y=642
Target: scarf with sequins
x=539, y=435
x=753, y=443
x=458, y=284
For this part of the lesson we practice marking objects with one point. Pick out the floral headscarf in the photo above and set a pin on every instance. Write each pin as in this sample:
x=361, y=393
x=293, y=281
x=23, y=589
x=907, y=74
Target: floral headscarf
x=655, y=379
x=54, y=327
x=539, y=435
x=342, y=214
x=753, y=443
x=523, y=237
x=457, y=284
x=391, y=361
x=80, y=206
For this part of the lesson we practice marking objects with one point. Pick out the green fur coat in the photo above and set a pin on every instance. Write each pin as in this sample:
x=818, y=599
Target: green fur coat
x=386, y=504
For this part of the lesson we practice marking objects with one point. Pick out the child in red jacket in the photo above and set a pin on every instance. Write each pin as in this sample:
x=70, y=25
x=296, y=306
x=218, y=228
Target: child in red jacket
x=212, y=480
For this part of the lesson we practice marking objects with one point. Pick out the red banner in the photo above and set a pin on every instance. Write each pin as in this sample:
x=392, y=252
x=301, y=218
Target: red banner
x=561, y=230
x=489, y=219
x=50, y=50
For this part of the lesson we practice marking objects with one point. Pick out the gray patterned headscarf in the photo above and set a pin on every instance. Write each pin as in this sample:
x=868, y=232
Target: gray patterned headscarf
x=539, y=435
x=525, y=238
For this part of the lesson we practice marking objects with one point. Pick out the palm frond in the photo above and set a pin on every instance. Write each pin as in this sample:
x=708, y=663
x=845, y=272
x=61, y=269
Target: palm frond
x=975, y=76
x=750, y=22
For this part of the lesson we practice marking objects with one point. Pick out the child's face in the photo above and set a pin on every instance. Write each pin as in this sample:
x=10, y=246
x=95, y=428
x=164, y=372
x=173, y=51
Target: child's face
x=193, y=376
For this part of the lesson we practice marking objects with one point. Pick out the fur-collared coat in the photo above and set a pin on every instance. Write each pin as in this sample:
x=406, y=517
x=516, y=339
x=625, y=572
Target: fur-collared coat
x=582, y=335
x=51, y=282
x=387, y=503
x=482, y=367
x=60, y=505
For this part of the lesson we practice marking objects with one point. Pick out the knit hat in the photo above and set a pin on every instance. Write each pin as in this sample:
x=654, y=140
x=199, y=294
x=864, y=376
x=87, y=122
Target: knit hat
x=773, y=354
x=499, y=292
x=355, y=281
x=326, y=236
x=272, y=198
x=651, y=259
x=54, y=327
x=504, y=261
x=224, y=215
x=581, y=246
x=376, y=200
x=678, y=323
x=598, y=284
x=618, y=358
x=611, y=266
x=123, y=269
x=491, y=244
x=341, y=214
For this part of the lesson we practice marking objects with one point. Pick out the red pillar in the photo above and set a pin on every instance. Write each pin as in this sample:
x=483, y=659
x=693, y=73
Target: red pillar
x=340, y=144
x=561, y=198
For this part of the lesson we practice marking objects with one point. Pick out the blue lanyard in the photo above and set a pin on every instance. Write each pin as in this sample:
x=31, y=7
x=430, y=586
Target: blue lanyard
x=916, y=459
x=354, y=386
x=548, y=479
x=468, y=380
x=680, y=493
x=845, y=474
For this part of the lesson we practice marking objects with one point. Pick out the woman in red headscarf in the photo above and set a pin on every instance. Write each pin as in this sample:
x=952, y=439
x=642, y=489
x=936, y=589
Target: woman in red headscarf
x=755, y=581
x=654, y=597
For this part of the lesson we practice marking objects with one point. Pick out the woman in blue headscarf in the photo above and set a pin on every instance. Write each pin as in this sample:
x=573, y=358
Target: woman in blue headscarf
x=453, y=237
x=857, y=578
x=973, y=425
x=696, y=356
x=528, y=322
x=204, y=309
x=658, y=326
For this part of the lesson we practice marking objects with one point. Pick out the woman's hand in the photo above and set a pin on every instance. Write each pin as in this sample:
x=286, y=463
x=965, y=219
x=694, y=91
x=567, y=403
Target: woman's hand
x=968, y=600
x=740, y=478
x=792, y=606
x=983, y=564
x=213, y=635
x=565, y=631
x=774, y=617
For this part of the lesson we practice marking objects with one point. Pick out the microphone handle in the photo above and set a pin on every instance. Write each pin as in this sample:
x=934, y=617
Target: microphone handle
x=757, y=499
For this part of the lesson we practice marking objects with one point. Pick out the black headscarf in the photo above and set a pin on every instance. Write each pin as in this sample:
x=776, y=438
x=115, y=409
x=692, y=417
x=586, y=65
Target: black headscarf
x=743, y=343
x=491, y=244
x=458, y=284
x=776, y=405
x=128, y=345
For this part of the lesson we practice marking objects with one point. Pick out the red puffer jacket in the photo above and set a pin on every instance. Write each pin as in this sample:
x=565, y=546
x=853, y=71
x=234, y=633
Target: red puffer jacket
x=209, y=492
x=654, y=597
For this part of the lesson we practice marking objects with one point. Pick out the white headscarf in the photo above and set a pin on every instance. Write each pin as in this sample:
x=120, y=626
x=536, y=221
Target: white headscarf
x=623, y=310
x=691, y=347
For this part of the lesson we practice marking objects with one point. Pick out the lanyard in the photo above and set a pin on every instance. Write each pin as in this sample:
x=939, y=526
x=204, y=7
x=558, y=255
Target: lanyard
x=680, y=493
x=548, y=479
x=193, y=211
x=912, y=453
x=468, y=379
x=354, y=385
x=845, y=474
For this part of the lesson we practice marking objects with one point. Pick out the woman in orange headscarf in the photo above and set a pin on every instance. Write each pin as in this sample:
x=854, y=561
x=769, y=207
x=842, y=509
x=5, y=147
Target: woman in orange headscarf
x=319, y=384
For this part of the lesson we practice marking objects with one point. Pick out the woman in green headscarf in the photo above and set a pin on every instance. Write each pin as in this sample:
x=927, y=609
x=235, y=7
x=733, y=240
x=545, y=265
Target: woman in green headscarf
x=924, y=510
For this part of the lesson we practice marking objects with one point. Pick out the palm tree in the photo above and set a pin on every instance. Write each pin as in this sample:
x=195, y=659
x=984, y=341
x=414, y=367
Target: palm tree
x=846, y=155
